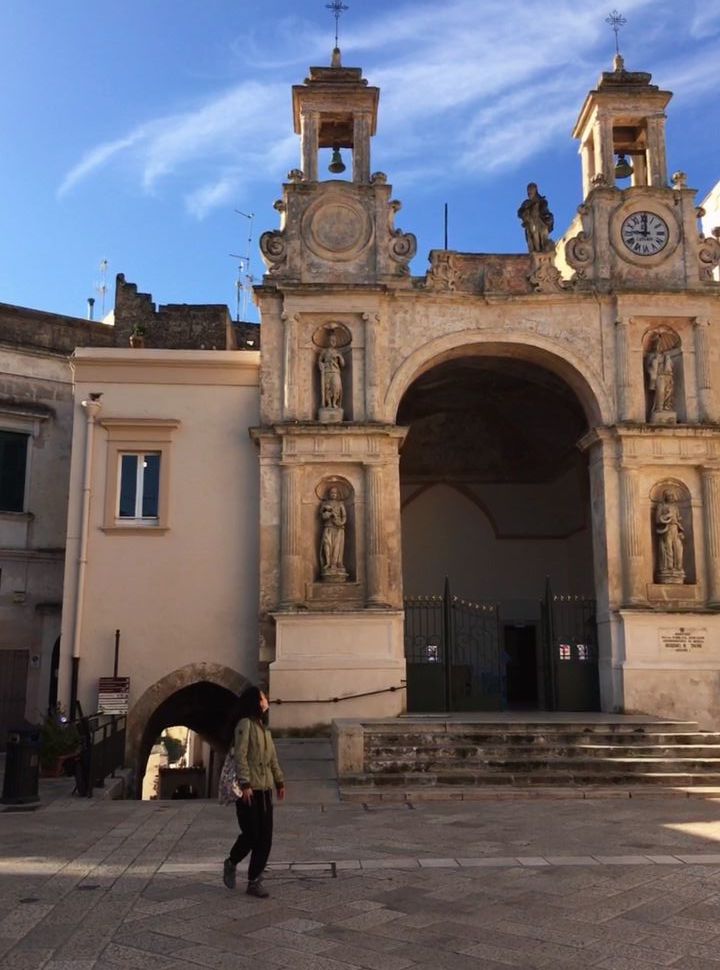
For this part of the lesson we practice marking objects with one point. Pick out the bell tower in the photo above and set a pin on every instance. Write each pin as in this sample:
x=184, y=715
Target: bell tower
x=335, y=108
x=634, y=229
x=621, y=129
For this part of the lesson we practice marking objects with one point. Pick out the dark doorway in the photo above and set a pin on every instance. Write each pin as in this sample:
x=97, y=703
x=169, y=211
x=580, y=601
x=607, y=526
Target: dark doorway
x=54, y=671
x=521, y=680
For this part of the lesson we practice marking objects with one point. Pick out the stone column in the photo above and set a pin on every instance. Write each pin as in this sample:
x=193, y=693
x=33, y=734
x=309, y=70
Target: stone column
x=623, y=370
x=711, y=523
x=361, y=149
x=376, y=560
x=291, y=589
x=604, y=155
x=371, y=321
x=702, y=370
x=633, y=580
x=290, y=361
x=657, y=167
x=309, y=135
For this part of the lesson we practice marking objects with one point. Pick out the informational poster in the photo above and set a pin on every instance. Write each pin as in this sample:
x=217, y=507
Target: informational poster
x=113, y=695
x=683, y=639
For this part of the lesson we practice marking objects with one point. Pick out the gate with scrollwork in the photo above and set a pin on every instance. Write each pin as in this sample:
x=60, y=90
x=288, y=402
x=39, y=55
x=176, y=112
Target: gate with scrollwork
x=452, y=651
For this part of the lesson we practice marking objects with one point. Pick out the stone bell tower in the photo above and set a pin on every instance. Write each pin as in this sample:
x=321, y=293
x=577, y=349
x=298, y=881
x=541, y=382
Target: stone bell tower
x=642, y=232
x=331, y=589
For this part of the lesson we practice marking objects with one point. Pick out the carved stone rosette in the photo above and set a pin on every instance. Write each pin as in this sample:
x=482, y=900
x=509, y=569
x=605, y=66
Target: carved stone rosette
x=708, y=258
x=273, y=249
x=579, y=253
x=402, y=245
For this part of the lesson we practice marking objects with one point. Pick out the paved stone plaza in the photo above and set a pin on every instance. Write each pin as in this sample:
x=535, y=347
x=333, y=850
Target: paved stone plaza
x=611, y=882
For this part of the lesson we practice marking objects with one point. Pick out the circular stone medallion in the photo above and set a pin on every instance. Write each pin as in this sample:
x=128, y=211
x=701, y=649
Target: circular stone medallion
x=337, y=230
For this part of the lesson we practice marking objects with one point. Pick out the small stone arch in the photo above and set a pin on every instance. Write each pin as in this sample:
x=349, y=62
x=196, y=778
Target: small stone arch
x=223, y=683
x=564, y=362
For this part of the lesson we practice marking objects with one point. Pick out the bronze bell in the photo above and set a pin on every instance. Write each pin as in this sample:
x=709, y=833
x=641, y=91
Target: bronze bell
x=623, y=168
x=336, y=165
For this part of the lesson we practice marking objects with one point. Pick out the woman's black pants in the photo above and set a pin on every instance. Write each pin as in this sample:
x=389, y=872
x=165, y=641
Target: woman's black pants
x=256, y=829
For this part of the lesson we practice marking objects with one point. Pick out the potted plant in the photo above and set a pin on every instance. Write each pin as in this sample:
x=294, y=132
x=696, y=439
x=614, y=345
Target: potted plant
x=59, y=743
x=137, y=336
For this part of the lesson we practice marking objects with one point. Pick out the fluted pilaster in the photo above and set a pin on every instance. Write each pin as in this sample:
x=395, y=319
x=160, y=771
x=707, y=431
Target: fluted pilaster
x=633, y=579
x=290, y=537
x=711, y=523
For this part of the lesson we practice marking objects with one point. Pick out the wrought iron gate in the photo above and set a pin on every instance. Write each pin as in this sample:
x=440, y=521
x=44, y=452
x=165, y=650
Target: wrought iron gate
x=571, y=652
x=456, y=658
x=452, y=649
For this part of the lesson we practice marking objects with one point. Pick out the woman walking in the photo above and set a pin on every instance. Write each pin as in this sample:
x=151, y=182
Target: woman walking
x=258, y=770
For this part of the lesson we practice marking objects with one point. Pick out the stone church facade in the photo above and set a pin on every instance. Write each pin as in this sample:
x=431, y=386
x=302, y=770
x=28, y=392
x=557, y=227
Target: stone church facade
x=539, y=428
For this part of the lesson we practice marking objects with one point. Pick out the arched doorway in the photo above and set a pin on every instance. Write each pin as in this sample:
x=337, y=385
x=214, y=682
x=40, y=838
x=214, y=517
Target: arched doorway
x=495, y=498
x=201, y=697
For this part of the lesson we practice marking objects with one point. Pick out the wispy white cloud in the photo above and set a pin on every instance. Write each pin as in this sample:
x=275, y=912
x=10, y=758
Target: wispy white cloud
x=464, y=88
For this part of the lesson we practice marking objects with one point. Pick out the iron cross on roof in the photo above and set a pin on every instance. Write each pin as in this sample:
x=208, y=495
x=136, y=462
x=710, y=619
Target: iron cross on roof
x=337, y=7
x=616, y=22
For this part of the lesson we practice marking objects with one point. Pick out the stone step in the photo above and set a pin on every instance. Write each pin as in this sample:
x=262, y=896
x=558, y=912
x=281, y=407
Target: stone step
x=571, y=764
x=411, y=739
x=466, y=753
x=449, y=780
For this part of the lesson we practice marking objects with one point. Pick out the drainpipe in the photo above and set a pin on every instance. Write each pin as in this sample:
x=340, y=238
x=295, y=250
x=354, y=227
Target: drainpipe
x=92, y=409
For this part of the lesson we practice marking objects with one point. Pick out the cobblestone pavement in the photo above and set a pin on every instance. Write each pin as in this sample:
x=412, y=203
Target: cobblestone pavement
x=610, y=883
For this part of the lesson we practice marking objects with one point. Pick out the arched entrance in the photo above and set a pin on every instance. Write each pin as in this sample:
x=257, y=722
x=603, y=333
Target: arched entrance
x=201, y=697
x=495, y=498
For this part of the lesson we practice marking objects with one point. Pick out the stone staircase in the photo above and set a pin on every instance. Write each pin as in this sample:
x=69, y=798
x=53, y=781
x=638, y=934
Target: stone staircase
x=410, y=754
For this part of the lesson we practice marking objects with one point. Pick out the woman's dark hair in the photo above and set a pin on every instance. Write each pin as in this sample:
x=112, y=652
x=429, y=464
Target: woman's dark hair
x=248, y=704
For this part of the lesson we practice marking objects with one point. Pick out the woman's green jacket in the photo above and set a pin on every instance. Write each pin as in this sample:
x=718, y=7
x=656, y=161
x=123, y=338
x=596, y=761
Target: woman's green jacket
x=255, y=756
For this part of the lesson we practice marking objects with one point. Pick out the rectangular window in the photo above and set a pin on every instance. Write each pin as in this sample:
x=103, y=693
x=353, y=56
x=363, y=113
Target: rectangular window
x=139, y=486
x=13, y=469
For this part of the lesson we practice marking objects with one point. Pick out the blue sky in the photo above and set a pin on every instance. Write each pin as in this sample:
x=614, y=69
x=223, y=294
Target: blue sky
x=133, y=130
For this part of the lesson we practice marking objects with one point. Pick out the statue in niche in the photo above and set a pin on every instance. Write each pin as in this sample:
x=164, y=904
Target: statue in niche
x=537, y=221
x=330, y=364
x=661, y=380
x=333, y=516
x=670, y=538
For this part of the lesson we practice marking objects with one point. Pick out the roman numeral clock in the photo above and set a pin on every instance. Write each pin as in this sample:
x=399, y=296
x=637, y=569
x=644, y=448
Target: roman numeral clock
x=644, y=233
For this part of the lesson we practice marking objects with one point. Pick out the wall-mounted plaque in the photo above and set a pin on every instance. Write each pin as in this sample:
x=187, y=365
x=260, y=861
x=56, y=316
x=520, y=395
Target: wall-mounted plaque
x=683, y=639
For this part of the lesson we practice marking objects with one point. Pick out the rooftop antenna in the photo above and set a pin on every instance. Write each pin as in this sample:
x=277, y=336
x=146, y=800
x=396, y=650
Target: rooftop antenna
x=616, y=22
x=244, y=284
x=101, y=287
x=338, y=8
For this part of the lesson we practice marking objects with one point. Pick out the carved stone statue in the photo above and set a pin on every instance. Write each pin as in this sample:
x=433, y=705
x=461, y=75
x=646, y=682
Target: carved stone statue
x=537, y=221
x=661, y=383
x=670, y=539
x=330, y=363
x=333, y=516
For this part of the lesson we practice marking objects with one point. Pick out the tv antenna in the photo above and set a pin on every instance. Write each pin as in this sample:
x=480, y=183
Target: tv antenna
x=245, y=279
x=101, y=287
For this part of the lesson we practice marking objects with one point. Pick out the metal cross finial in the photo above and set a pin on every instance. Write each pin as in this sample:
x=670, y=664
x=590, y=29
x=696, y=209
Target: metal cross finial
x=616, y=21
x=337, y=7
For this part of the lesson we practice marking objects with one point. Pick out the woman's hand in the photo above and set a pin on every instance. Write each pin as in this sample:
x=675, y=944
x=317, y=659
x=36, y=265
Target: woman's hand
x=281, y=794
x=247, y=795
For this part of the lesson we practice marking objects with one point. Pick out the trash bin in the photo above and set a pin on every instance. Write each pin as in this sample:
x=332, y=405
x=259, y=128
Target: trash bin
x=22, y=766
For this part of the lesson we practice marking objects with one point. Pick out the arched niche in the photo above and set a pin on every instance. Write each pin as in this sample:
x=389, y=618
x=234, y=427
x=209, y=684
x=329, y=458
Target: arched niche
x=331, y=490
x=342, y=338
x=663, y=376
x=671, y=525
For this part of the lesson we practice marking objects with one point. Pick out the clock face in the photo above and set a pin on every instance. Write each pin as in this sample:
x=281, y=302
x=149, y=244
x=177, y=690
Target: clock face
x=645, y=233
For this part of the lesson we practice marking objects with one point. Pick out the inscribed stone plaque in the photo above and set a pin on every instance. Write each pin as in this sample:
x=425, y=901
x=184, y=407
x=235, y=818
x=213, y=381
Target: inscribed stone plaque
x=683, y=639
